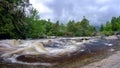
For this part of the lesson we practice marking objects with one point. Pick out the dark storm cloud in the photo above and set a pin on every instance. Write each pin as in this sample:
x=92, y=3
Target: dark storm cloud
x=96, y=11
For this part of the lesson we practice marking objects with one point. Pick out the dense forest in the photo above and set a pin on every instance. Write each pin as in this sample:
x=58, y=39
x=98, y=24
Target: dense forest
x=20, y=20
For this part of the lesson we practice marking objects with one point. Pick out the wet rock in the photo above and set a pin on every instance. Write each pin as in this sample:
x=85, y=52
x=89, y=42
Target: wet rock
x=53, y=44
x=78, y=40
x=41, y=58
x=85, y=39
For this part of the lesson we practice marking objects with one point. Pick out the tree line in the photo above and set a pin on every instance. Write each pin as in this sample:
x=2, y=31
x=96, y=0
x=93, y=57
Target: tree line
x=111, y=27
x=20, y=20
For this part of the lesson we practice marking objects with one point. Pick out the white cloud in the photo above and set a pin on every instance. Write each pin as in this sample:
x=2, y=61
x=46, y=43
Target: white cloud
x=97, y=11
x=39, y=5
x=104, y=8
x=103, y=1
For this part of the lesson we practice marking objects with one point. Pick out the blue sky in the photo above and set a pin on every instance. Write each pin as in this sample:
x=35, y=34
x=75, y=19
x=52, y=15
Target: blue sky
x=96, y=11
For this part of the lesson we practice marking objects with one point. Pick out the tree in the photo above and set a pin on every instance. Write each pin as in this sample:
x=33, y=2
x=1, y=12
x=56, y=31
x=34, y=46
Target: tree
x=107, y=29
x=108, y=26
x=71, y=27
x=79, y=29
x=101, y=27
x=87, y=29
x=12, y=13
x=62, y=29
x=48, y=26
x=32, y=24
x=55, y=28
x=113, y=22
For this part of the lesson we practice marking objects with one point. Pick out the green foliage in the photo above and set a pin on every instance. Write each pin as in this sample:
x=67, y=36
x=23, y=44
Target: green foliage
x=78, y=29
x=111, y=27
x=85, y=27
x=12, y=17
x=82, y=28
x=102, y=27
x=71, y=27
x=113, y=22
x=15, y=22
x=41, y=28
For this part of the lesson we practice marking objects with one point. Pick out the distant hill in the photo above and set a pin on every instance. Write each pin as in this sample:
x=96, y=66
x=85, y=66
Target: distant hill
x=97, y=28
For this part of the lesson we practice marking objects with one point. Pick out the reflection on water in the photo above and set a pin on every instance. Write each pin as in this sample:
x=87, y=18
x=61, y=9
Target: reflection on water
x=55, y=53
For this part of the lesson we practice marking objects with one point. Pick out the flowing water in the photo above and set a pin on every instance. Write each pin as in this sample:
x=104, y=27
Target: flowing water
x=55, y=53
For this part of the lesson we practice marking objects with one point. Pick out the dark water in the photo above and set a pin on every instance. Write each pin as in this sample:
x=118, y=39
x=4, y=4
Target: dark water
x=92, y=52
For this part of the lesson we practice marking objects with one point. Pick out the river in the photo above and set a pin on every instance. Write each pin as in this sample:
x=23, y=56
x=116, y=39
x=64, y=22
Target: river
x=55, y=53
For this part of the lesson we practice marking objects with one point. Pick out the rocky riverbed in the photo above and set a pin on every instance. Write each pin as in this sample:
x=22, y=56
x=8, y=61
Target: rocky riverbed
x=75, y=52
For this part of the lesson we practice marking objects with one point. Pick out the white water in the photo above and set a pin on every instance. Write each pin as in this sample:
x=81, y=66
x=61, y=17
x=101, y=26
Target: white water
x=36, y=47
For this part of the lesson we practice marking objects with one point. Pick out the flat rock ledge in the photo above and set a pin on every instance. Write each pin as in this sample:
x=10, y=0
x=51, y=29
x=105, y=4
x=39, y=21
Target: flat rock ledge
x=110, y=62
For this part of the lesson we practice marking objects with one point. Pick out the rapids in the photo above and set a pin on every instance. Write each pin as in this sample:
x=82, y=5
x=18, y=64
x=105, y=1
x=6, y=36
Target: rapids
x=49, y=52
x=11, y=49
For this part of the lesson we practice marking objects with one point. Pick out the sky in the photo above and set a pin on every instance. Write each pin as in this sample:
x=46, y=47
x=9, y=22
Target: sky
x=96, y=11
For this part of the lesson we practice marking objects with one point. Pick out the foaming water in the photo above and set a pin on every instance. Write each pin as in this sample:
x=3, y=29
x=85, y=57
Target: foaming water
x=45, y=51
x=46, y=47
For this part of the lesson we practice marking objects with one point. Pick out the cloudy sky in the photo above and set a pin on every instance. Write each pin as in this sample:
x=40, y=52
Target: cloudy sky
x=96, y=11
